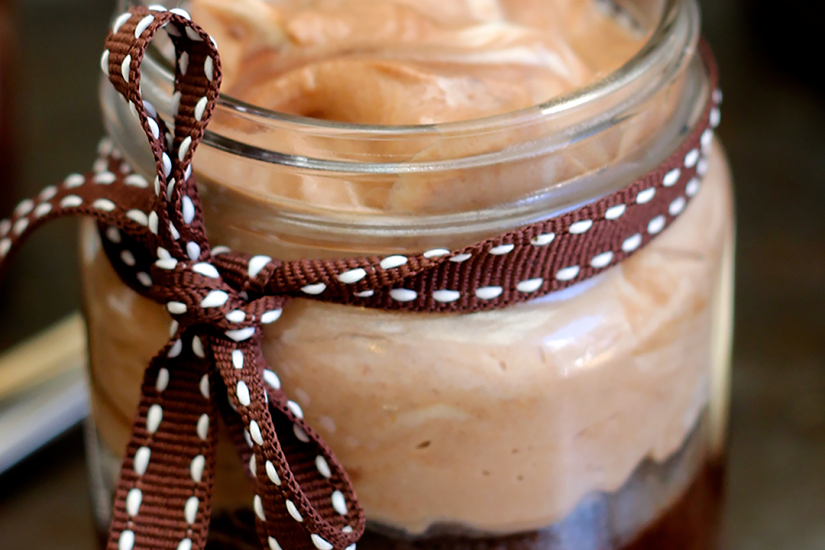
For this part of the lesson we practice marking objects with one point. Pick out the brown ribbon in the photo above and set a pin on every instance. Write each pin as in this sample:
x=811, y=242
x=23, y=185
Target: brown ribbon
x=153, y=232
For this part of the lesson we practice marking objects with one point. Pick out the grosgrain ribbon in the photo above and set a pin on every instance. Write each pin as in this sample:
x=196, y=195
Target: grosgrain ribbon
x=213, y=364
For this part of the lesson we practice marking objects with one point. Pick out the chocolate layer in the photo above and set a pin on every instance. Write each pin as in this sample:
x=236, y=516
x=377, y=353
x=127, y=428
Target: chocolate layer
x=690, y=524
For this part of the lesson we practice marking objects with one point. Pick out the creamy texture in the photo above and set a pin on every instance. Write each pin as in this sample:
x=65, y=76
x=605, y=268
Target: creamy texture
x=410, y=61
x=391, y=62
x=497, y=421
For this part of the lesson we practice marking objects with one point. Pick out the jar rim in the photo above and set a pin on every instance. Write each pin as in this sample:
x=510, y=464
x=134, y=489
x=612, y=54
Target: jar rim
x=671, y=44
x=565, y=121
x=660, y=41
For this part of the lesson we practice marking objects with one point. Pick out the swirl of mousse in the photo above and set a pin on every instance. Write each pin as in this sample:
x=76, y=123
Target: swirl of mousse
x=411, y=62
x=404, y=62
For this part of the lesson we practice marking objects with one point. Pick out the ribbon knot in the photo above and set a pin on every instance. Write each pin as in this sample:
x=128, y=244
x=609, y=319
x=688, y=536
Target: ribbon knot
x=195, y=293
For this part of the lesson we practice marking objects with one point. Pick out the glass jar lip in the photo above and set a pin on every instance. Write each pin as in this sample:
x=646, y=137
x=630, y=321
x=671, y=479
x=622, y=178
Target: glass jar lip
x=563, y=122
x=651, y=52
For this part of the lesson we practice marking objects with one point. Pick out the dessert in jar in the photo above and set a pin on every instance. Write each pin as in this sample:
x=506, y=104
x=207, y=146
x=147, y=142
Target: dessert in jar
x=592, y=417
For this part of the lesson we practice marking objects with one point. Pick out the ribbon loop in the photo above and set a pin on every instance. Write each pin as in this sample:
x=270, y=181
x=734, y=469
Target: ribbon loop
x=179, y=226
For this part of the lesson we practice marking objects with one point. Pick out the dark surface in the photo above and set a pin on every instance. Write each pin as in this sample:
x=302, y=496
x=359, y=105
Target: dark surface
x=596, y=523
x=774, y=129
x=691, y=524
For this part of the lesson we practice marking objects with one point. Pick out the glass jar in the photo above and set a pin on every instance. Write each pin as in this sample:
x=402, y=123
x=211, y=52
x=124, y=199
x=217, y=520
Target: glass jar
x=594, y=417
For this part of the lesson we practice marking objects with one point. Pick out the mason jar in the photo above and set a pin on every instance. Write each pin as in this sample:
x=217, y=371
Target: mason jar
x=592, y=418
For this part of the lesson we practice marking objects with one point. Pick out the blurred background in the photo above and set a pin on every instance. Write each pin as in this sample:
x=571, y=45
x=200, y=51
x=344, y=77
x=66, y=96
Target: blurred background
x=774, y=130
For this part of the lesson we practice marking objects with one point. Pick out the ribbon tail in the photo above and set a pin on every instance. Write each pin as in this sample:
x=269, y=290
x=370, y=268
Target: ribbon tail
x=304, y=499
x=164, y=492
x=106, y=195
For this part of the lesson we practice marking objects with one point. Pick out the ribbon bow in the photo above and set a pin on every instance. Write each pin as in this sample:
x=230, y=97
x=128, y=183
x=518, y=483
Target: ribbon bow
x=304, y=498
x=219, y=300
x=213, y=362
